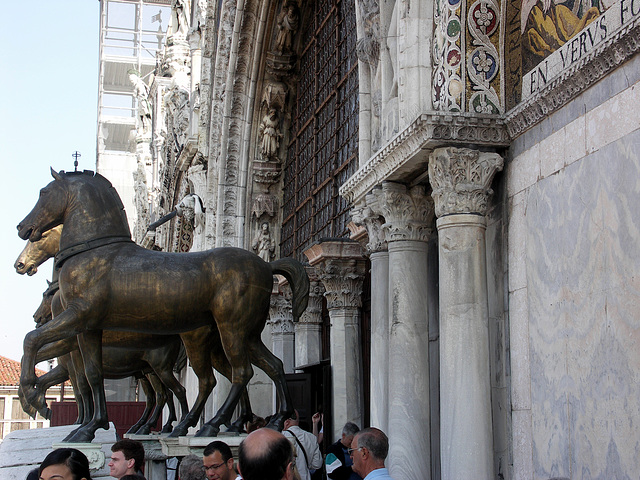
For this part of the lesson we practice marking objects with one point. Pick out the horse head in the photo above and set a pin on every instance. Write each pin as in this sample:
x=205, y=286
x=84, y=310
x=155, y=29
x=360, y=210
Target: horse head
x=36, y=253
x=48, y=211
x=89, y=202
x=43, y=314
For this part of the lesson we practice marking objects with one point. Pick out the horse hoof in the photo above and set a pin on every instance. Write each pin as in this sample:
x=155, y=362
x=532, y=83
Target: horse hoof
x=178, y=432
x=166, y=429
x=208, y=431
x=78, y=436
x=144, y=430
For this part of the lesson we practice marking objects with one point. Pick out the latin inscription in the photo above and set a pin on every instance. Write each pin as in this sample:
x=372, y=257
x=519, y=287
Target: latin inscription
x=579, y=46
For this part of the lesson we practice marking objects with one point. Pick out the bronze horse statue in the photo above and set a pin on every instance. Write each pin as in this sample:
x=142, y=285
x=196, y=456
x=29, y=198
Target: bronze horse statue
x=125, y=348
x=107, y=282
x=124, y=355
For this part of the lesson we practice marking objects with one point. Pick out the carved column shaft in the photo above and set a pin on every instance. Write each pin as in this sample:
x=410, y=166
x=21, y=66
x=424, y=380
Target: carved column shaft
x=341, y=268
x=461, y=180
x=409, y=216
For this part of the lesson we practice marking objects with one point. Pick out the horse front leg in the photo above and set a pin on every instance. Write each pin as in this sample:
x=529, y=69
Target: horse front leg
x=91, y=348
x=66, y=325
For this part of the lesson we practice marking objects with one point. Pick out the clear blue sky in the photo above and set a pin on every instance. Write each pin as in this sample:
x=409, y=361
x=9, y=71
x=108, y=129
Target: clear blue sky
x=48, y=110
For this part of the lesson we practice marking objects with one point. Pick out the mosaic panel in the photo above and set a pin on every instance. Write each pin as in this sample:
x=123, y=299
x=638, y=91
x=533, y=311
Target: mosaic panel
x=466, y=51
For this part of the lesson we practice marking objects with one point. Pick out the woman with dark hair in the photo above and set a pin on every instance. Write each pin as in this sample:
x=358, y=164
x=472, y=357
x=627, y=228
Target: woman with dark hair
x=65, y=464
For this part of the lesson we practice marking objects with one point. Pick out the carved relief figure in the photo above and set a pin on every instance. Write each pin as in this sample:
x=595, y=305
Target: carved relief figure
x=288, y=22
x=263, y=244
x=141, y=91
x=270, y=135
x=179, y=25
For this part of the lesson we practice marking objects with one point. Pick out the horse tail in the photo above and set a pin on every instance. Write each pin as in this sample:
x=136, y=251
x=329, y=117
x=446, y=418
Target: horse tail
x=297, y=276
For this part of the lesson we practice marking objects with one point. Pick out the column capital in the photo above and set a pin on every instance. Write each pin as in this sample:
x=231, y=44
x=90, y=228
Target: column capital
x=312, y=315
x=461, y=179
x=367, y=214
x=280, y=316
x=341, y=268
x=408, y=212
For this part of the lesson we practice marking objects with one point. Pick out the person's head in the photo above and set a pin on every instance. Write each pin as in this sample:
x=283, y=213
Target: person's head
x=255, y=423
x=65, y=464
x=191, y=468
x=368, y=450
x=32, y=475
x=266, y=455
x=127, y=457
x=348, y=431
x=218, y=461
x=293, y=420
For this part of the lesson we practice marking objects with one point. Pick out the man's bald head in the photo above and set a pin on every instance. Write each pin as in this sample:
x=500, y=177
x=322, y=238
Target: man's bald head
x=265, y=455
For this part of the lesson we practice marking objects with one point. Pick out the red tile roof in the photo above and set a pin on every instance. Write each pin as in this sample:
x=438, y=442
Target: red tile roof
x=10, y=372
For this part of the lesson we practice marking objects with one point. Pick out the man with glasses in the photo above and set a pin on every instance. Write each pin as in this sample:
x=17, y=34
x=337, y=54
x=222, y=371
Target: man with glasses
x=218, y=461
x=338, y=462
x=368, y=451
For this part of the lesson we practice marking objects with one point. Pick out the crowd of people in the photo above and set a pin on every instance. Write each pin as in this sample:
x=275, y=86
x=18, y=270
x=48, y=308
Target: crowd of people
x=264, y=454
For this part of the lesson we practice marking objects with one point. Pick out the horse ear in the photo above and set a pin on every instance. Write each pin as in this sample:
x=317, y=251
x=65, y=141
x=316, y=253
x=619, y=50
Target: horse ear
x=55, y=174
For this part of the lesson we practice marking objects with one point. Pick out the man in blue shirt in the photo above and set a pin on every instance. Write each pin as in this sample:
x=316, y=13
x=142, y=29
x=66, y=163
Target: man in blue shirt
x=369, y=450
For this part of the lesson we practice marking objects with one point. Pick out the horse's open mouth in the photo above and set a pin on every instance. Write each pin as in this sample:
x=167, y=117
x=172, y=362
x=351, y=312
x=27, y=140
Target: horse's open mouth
x=25, y=232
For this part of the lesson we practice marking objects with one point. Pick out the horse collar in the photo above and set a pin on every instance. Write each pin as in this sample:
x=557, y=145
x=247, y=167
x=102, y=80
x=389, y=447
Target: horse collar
x=69, y=252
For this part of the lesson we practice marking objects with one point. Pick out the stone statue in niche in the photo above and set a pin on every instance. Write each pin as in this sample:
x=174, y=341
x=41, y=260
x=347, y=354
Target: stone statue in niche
x=288, y=23
x=179, y=25
x=263, y=244
x=141, y=91
x=270, y=143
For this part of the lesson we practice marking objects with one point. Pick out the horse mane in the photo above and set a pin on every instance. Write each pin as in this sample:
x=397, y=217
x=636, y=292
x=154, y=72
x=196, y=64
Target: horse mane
x=103, y=182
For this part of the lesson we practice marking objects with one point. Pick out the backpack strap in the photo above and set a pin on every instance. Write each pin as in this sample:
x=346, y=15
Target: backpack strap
x=306, y=459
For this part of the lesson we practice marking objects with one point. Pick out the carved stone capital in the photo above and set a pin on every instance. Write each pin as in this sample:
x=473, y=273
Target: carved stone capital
x=313, y=313
x=341, y=269
x=408, y=213
x=369, y=217
x=461, y=179
x=280, y=316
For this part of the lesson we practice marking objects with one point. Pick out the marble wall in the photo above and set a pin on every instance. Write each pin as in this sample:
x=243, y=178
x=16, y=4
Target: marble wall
x=573, y=188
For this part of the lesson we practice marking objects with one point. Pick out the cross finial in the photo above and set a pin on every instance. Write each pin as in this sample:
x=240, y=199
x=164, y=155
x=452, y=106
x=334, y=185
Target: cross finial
x=76, y=155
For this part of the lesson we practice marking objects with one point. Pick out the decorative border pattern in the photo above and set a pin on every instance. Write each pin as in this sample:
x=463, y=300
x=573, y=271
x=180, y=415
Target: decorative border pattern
x=448, y=92
x=484, y=62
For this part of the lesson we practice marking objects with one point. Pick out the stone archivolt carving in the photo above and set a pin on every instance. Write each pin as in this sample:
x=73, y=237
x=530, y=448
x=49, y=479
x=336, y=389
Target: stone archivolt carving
x=461, y=179
x=408, y=213
x=428, y=131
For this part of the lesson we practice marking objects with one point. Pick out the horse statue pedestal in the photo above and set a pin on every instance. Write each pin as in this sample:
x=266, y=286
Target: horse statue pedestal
x=180, y=446
x=23, y=450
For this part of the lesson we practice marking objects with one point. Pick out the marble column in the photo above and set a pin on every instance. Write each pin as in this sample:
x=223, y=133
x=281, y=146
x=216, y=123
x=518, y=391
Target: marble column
x=461, y=180
x=369, y=216
x=341, y=268
x=309, y=327
x=408, y=217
